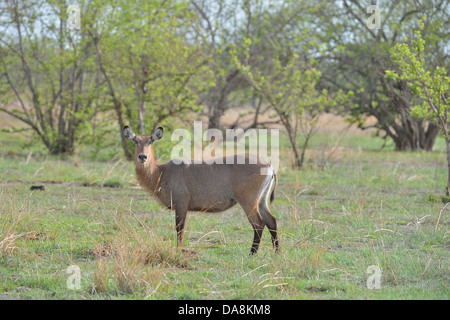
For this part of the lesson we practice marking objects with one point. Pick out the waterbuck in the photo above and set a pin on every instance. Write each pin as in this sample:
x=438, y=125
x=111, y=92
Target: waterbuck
x=206, y=187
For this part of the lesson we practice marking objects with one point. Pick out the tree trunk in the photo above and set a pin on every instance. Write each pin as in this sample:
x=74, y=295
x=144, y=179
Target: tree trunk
x=287, y=126
x=412, y=134
x=302, y=157
x=430, y=137
x=447, y=188
x=117, y=104
x=216, y=113
x=62, y=146
x=415, y=136
x=219, y=100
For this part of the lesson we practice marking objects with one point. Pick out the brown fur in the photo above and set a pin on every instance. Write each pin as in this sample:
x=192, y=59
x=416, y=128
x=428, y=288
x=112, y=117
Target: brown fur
x=206, y=187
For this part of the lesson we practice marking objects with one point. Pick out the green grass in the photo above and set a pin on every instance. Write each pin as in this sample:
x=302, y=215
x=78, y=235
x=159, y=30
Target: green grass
x=350, y=208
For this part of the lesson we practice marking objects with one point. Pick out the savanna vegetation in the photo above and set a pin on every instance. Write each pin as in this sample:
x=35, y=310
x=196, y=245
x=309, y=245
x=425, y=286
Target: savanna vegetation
x=364, y=147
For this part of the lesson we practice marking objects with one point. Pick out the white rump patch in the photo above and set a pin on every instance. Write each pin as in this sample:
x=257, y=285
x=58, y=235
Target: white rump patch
x=267, y=184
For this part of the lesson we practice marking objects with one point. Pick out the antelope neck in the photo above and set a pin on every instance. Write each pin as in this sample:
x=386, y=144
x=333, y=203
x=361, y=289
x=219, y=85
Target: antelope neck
x=149, y=173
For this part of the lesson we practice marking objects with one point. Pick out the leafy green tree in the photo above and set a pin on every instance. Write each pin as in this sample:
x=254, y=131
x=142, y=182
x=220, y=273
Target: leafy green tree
x=289, y=85
x=153, y=71
x=356, y=57
x=217, y=28
x=430, y=85
x=45, y=70
x=226, y=24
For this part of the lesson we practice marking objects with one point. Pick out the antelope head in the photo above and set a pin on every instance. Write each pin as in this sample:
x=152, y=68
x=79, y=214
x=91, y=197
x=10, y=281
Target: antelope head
x=143, y=150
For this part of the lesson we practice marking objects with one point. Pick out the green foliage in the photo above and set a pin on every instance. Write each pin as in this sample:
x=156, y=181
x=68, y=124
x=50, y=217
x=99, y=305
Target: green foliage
x=47, y=70
x=132, y=57
x=356, y=57
x=156, y=72
x=290, y=86
x=437, y=198
x=150, y=62
x=431, y=86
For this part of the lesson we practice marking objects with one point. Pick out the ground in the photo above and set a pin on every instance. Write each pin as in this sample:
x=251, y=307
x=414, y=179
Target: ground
x=353, y=206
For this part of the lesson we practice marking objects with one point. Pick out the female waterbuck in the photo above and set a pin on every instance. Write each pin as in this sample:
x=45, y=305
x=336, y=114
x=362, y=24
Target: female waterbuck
x=206, y=187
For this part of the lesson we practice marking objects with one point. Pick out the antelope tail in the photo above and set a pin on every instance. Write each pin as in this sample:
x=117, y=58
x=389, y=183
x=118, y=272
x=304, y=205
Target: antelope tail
x=272, y=195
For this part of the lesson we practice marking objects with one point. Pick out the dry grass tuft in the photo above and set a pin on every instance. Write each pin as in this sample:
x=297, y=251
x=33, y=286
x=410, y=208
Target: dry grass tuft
x=134, y=261
x=8, y=244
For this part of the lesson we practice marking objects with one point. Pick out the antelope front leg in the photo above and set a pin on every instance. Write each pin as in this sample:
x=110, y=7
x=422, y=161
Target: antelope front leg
x=180, y=220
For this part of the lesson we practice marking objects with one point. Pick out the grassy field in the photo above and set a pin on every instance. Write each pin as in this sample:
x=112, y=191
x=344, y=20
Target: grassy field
x=354, y=205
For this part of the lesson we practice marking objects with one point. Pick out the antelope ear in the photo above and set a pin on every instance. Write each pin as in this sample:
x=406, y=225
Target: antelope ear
x=156, y=135
x=129, y=134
